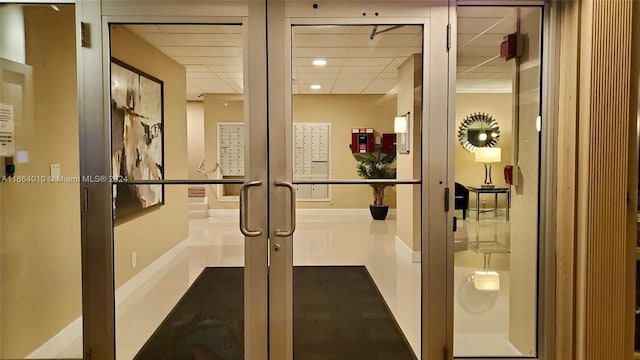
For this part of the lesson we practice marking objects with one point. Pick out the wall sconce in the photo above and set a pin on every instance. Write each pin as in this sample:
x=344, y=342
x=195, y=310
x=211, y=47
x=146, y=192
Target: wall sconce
x=402, y=129
x=488, y=156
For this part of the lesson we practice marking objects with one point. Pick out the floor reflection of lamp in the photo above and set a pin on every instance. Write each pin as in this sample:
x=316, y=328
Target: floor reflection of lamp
x=486, y=279
x=488, y=156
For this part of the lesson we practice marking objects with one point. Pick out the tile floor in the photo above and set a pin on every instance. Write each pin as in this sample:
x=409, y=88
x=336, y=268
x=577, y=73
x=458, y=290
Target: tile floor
x=351, y=238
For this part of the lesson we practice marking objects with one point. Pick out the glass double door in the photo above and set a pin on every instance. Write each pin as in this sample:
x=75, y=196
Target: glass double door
x=273, y=174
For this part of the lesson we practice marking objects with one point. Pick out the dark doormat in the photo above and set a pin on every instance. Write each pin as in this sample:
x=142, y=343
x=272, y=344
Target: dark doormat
x=339, y=314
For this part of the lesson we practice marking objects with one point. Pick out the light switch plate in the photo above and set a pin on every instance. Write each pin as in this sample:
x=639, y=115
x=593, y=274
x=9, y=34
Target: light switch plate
x=55, y=170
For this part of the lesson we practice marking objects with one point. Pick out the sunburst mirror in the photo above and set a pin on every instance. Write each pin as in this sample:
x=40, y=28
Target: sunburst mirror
x=478, y=130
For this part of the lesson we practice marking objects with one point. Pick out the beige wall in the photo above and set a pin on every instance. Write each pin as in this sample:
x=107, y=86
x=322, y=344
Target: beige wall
x=195, y=136
x=409, y=165
x=344, y=112
x=40, y=224
x=468, y=171
x=155, y=232
x=219, y=108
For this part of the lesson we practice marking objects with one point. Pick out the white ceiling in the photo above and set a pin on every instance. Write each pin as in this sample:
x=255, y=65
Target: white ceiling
x=480, y=68
x=212, y=54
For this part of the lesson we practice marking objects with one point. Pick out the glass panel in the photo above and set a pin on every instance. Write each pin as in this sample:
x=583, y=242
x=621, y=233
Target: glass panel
x=40, y=259
x=496, y=243
x=178, y=115
x=356, y=280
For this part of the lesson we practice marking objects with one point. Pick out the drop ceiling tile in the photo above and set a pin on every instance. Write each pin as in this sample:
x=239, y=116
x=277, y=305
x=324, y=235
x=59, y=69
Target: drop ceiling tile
x=406, y=29
x=479, y=51
x=388, y=39
x=380, y=87
x=482, y=69
x=318, y=70
x=143, y=29
x=484, y=11
x=306, y=84
x=316, y=77
x=347, y=89
x=382, y=52
x=189, y=45
x=159, y=39
x=201, y=29
x=204, y=82
x=220, y=60
x=322, y=40
x=391, y=75
x=484, y=40
x=346, y=77
x=491, y=60
x=375, y=70
x=495, y=25
x=209, y=39
x=327, y=52
x=504, y=86
x=186, y=60
x=377, y=90
x=196, y=69
x=226, y=69
x=201, y=51
x=367, y=61
x=397, y=62
x=325, y=29
x=508, y=75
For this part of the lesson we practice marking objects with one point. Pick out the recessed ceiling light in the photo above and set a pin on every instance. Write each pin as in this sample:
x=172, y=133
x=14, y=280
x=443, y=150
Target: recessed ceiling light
x=316, y=87
x=319, y=62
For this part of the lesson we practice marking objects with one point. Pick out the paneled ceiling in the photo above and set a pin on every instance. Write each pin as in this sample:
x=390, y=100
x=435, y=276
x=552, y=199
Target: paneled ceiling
x=480, y=67
x=355, y=63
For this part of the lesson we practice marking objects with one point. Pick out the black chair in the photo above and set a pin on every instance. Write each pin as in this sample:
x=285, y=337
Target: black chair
x=461, y=199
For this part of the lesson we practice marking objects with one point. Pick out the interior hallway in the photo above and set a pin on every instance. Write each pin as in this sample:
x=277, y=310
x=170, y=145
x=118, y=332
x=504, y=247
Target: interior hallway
x=324, y=237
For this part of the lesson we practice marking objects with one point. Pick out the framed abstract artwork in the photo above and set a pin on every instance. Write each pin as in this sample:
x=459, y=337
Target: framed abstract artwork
x=137, y=141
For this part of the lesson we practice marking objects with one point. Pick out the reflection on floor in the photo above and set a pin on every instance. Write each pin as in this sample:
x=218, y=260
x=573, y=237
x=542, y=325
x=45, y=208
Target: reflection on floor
x=481, y=318
x=338, y=237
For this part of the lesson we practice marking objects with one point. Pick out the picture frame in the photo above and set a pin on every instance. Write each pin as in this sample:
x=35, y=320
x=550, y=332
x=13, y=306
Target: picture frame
x=137, y=140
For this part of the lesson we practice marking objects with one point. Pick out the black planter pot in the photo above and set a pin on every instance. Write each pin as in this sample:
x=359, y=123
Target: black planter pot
x=379, y=212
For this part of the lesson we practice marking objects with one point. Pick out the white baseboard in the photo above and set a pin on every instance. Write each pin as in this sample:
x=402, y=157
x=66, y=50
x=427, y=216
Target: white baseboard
x=70, y=333
x=223, y=212
x=310, y=213
x=62, y=340
x=401, y=246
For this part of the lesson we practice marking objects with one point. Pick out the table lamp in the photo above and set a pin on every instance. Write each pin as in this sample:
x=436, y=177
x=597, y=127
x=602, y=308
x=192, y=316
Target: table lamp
x=488, y=156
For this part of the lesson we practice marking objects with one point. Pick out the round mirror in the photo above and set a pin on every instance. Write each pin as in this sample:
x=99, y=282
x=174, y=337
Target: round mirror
x=478, y=130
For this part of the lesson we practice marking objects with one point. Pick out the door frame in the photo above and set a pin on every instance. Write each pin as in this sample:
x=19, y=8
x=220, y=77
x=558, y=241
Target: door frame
x=437, y=170
x=94, y=19
x=97, y=231
x=97, y=252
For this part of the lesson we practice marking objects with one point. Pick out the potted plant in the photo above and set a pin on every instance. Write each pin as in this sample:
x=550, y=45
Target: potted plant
x=377, y=165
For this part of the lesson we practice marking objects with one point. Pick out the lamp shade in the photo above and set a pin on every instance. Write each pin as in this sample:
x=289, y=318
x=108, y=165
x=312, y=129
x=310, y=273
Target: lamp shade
x=400, y=124
x=488, y=155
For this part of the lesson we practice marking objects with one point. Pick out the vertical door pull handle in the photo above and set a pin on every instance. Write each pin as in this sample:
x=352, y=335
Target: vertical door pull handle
x=244, y=202
x=292, y=209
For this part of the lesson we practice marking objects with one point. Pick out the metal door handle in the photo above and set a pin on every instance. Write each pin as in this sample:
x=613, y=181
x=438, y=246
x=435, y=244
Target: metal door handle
x=244, y=189
x=292, y=219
